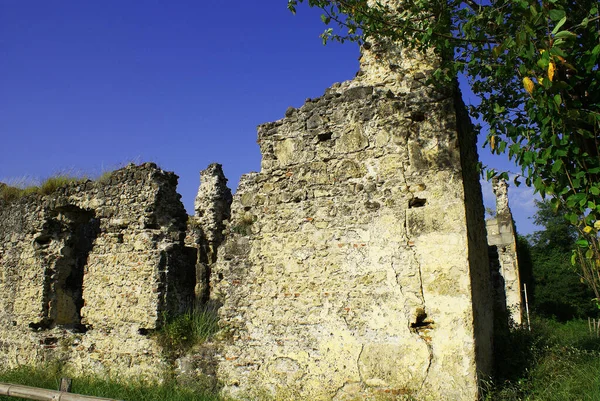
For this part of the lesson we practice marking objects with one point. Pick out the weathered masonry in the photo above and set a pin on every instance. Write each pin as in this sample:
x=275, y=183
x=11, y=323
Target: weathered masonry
x=89, y=270
x=353, y=266
x=503, y=255
x=356, y=264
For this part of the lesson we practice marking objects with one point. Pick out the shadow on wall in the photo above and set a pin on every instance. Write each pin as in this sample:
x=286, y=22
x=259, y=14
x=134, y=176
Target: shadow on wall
x=64, y=244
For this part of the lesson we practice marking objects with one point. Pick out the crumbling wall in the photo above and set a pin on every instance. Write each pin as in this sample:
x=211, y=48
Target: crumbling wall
x=356, y=263
x=87, y=272
x=502, y=241
x=212, y=208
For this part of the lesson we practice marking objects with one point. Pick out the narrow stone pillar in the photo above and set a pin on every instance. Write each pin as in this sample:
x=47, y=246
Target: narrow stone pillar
x=502, y=235
x=212, y=208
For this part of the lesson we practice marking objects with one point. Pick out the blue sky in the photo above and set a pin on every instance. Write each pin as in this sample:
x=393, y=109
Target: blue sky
x=88, y=86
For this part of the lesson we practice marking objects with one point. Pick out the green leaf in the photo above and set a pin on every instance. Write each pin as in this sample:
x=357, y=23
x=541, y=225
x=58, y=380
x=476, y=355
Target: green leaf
x=557, y=100
x=559, y=24
x=557, y=166
x=564, y=35
x=572, y=217
x=556, y=15
x=534, y=12
x=583, y=243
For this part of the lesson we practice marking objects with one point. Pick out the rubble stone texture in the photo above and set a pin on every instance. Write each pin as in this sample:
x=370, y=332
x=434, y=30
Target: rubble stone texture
x=87, y=272
x=503, y=248
x=356, y=264
x=212, y=208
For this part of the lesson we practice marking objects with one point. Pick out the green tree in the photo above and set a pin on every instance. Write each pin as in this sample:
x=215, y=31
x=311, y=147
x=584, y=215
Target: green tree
x=533, y=64
x=558, y=290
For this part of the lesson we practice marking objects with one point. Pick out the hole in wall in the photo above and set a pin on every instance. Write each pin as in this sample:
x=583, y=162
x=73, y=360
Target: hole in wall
x=417, y=116
x=49, y=341
x=416, y=202
x=42, y=325
x=421, y=322
x=43, y=240
x=324, y=137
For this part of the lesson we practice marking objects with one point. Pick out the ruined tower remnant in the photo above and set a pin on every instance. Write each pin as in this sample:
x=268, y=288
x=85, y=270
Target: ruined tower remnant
x=356, y=263
x=212, y=208
x=503, y=254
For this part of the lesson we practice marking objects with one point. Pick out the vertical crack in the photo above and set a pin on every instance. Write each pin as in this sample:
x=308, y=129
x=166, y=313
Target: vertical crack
x=430, y=349
x=410, y=245
x=421, y=324
x=360, y=376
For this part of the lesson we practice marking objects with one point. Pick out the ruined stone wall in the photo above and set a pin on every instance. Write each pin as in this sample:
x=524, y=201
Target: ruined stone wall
x=87, y=272
x=356, y=265
x=503, y=255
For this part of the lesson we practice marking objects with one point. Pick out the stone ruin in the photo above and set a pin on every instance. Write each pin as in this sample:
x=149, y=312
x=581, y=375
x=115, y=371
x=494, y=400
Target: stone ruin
x=502, y=242
x=354, y=265
x=89, y=270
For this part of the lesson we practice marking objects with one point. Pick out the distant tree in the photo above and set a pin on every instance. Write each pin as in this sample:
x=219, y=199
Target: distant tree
x=526, y=266
x=558, y=288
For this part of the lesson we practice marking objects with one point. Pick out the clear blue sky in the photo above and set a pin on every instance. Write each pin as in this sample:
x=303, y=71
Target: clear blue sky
x=88, y=86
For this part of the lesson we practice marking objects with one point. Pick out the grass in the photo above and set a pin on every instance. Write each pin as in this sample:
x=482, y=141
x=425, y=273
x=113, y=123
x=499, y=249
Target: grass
x=179, y=335
x=244, y=226
x=182, y=332
x=18, y=188
x=555, y=362
x=49, y=377
x=11, y=193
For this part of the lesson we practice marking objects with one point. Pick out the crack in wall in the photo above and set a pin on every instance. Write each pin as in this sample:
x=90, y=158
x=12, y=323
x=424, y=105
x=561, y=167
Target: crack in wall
x=360, y=376
x=430, y=362
x=419, y=320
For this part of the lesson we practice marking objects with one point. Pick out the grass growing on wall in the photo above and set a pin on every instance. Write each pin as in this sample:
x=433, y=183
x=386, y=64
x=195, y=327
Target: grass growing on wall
x=49, y=377
x=10, y=193
x=20, y=187
x=553, y=362
x=180, y=333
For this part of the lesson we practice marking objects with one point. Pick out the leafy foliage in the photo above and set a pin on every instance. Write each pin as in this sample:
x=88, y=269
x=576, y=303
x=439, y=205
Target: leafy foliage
x=533, y=64
x=553, y=362
x=558, y=290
